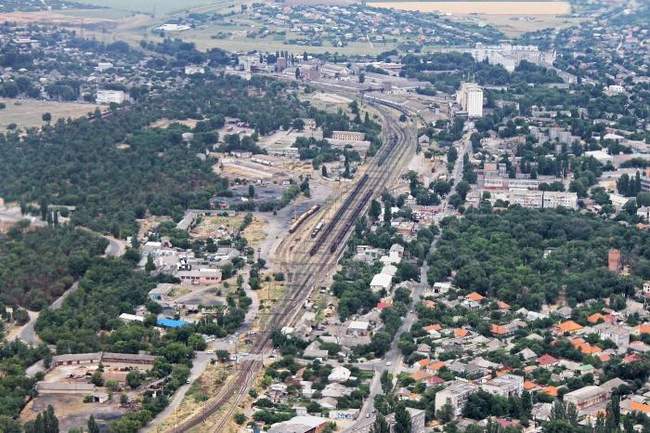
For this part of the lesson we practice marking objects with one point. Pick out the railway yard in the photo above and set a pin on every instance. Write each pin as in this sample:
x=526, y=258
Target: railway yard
x=309, y=255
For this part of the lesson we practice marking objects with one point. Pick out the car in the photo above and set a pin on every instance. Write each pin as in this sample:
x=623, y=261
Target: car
x=388, y=363
x=367, y=415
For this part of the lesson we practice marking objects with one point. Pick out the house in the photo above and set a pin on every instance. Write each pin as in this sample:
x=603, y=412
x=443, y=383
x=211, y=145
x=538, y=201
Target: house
x=368, y=254
x=527, y=354
x=547, y=360
x=567, y=327
x=358, y=328
x=381, y=282
x=336, y=390
x=440, y=288
x=474, y=297
x=455, y=395
x=339, y=374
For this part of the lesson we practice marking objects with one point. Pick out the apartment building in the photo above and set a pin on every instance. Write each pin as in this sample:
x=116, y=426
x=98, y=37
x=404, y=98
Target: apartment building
x=455, y=395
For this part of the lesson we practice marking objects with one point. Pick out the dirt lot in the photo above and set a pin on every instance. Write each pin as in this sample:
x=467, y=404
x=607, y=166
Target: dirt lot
x=28, y=113
x=72, y=411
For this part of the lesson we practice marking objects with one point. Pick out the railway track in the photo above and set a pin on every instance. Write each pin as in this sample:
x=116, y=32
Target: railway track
x=316, y=264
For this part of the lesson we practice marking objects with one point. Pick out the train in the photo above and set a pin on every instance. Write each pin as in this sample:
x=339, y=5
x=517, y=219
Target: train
x=302, y=218
x=317, y=229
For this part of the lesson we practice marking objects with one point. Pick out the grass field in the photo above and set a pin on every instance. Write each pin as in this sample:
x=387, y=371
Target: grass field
x=28, y=113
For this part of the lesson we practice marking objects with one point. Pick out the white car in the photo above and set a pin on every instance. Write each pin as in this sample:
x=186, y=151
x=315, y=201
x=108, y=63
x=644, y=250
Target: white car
x=388, y=363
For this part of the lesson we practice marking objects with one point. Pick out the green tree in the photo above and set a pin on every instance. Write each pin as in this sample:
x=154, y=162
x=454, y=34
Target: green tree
x=133, y=379
x=150, y=266
x=380, y=425
x=402, y=419
x=375, y=209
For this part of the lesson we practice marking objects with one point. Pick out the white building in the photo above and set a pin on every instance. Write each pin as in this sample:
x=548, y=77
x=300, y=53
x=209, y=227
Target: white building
x=339, y=374
x=506, y=385
x=455, y=395
x=110, y=97
x=470, y=98
x=381, y=282
x=194, y=70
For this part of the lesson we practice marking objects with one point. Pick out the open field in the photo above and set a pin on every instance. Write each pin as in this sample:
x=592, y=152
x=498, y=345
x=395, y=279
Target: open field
x=27, y=113
x=516, y=25
x=481, y=7
x=160, y=7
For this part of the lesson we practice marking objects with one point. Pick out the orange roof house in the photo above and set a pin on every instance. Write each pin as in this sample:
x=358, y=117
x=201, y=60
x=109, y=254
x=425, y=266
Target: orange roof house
x=475, y=297
x=435, y=365
x=502, y=305
x=568, y=326
x=460, y=332
x=499, y=330
x=597, y=317
x=636, y=406
x=546, y=359
x=585, y=347
x=419, y=375
x=550, y=390
x=644, y=328
x=604, y=357
x=530, y=385
x=432, y=328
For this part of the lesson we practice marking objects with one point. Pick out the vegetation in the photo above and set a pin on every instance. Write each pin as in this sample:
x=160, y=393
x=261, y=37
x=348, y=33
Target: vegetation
x=78, y=162
x=526, y=256
x=37, y=266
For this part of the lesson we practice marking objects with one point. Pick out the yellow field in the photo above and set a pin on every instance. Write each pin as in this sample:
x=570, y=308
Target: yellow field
x=481, y=7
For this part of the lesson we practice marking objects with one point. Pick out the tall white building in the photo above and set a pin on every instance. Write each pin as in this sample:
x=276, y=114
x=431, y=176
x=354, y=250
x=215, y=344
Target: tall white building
x=470, y=98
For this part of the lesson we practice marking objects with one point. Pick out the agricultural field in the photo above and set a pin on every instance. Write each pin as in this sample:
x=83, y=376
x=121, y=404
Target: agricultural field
x=28, y=113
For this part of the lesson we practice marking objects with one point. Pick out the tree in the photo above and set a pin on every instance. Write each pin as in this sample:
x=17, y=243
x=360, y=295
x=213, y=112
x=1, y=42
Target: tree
x=47, y=118
x=133, y=379
x=251, y=191
x=380, y=425
x=402, y=419
x=240, y=418
x=97, y=378
x=362, y=77
x=445, y=413
x=386, y=381
x=150, y=266
x=375, y=210
x=323, y=170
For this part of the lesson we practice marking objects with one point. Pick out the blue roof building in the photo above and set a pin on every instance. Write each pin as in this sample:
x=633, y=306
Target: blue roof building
x=171, y=323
